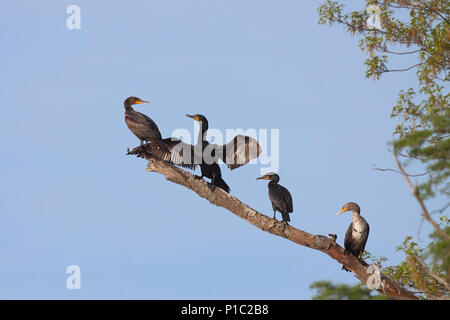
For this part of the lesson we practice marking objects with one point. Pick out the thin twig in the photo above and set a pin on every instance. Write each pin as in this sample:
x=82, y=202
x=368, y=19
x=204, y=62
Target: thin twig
x=425, y=213
x=409, y=175
x=442, y=209
x=400, y=53
x=406, y=69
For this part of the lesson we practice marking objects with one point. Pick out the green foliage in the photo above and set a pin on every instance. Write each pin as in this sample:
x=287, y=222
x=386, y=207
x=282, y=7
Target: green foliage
x=439, y=251
x=419, y=276
x=369, y=258
x=409, y=273
x=418, y=31
x=328, y=291
x=422, y=29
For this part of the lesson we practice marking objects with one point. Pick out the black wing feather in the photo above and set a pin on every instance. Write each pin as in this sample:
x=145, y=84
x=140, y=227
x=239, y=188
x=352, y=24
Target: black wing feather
x=179, y=153
x=239, y=151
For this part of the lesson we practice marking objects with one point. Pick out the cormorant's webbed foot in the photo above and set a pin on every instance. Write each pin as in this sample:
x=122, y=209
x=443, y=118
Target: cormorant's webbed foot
x=345, y=269
x=212, y=187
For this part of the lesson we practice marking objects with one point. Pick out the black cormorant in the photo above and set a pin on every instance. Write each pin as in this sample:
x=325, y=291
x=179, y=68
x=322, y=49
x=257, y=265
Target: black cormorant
x=234, y=154
x=208, y=167
x=141, y=125
x=279, y=196
x=357, y=233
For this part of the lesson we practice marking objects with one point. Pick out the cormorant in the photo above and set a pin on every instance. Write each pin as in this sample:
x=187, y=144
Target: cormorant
x=141, y=125
x=357, y=233
x=235, y=153
x=279, y=196
x=209, y=169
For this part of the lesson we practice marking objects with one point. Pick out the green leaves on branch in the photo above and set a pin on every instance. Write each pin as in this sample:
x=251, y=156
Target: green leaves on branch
x=326, y=290
x=418, y=31
x=423, y=268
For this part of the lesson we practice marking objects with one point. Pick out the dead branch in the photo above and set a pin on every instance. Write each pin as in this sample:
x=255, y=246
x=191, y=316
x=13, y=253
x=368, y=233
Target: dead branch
x=409, y=175
x=316, y=242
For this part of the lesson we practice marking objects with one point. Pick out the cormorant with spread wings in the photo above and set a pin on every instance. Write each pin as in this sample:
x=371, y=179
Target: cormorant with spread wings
x=234, y=154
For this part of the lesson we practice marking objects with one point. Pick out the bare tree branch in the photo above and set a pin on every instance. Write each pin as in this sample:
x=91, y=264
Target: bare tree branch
x=425, y=213
x=375, y=167
x=441, y=209
x=437, y=278
x=425, y=7
x=399, y=53
x=317, y=242
x=402, y=70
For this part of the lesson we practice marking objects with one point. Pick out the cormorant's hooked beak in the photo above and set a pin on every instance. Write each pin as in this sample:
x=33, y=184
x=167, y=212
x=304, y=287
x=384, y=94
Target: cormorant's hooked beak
x=141, y=101
x=263, y=178
x=342, y=211
x=192, y=117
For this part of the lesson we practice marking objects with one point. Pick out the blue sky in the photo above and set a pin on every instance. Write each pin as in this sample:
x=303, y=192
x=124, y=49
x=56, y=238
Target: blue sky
x=70, y=195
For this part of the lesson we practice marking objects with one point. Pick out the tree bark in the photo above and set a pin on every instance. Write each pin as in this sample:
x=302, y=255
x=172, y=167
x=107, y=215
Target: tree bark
x=316, y=242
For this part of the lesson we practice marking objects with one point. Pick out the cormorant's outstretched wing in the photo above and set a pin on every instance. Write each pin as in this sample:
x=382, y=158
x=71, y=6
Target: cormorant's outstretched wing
x=239, y=151
x=179, y=153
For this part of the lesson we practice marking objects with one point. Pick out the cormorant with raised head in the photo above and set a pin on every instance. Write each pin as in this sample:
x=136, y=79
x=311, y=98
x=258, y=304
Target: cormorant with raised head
x=141, y=125
x=279, y=196
x=234, y=154
x=357, y=233
x=209, y=169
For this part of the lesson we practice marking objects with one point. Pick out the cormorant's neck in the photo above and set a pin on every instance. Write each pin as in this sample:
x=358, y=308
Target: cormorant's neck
x=272, y=183
x=356, y=215
x=202, y=131
x=128, y=106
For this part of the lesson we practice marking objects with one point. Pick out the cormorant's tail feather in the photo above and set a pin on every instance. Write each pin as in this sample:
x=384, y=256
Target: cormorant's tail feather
x=285, y=216
x=219, y=182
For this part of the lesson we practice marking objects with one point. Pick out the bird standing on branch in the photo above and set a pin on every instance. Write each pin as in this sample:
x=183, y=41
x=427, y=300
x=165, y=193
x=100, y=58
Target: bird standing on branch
x=208, y=167
x=279, y=196
x=141, y=125
x=357, y=233
x=234, y=154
